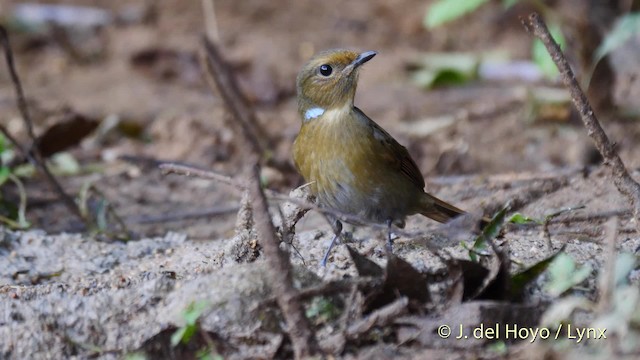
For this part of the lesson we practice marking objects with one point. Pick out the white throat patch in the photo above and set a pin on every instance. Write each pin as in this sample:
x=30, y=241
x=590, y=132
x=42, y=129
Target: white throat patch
x=313, y=113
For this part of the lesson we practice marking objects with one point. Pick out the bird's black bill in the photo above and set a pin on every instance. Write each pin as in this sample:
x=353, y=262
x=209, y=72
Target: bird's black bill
x=363, y=58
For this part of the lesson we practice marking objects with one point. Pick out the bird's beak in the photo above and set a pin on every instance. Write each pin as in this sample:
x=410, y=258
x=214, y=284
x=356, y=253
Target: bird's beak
x=363, y=58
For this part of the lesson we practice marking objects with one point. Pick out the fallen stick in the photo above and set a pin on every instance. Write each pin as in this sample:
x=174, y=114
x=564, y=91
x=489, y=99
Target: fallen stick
x=621, y=178
x=299, y=328
x=32, y=153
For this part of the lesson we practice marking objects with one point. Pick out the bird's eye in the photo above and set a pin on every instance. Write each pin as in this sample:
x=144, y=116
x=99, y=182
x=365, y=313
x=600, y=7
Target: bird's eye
x=325, y=70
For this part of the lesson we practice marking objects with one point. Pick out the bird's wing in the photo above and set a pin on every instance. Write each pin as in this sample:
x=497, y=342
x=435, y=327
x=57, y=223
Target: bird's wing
x=394, y=153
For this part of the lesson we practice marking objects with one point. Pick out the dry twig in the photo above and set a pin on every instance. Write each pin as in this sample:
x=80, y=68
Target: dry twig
x=281, y=274
x=302, y=337
x=592, y=217
x=182, y=216
x=210, y=20
x=187, y=170
x=32, y=153
x=621, y=178
x=219, y=73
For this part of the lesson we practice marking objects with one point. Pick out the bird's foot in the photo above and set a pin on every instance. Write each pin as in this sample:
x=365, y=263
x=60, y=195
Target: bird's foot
x=389, y=244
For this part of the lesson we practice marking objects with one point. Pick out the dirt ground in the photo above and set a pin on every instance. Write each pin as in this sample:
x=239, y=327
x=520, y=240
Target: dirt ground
x=68, y=294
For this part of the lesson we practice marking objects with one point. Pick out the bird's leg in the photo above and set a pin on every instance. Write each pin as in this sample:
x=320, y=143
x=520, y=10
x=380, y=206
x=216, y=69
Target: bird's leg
x=389, y=240
x=337, y=230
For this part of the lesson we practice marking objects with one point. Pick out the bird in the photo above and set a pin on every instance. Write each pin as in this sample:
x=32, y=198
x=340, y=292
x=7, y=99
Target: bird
x=352, y=165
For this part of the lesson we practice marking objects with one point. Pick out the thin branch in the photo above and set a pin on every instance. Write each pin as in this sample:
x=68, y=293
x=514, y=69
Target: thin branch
x=22, y=222
x=291, y=213
x=592, y=217
x=210, y=20
x=219, y=73
x=17, y=85
x=281, y=274
x=33, y=154
x=187, y=170
x=621, y=178
x=182, y=216
x=302, y=337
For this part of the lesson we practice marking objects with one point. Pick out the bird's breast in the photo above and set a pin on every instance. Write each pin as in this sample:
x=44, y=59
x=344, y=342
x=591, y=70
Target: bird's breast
x=329, y=148
x=340, y=155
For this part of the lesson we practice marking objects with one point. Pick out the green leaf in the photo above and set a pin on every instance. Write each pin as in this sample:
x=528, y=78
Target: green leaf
x=498, y=348
x=626, y=300
x=625, y=263
x=444, y=11
x=135, y=356
x=490, y=231
x=560, y=310
x=321, y=310
x=520, y=280
x=191, y=315
x=24, y=171
x=438, y=69
x=194, y=311
x=177, y=336
x=6, y=152
x=518, y=218
x=65, y=164
x=4, y=174
x=208, y=354
x=564, y=274
x=9, y=209
x=101, y=215
x=626, y=26
x=3, y=143
x=542, y=58
x=509, y=3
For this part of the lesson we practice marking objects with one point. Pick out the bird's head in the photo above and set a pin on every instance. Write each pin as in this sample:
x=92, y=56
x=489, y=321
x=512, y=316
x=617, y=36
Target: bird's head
x=329, y=81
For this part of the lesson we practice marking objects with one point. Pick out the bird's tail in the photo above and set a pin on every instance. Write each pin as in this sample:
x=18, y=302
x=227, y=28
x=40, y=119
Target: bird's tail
x=440, y=211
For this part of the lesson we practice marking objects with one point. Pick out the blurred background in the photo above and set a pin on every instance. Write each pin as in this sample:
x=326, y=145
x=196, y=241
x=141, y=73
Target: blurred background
x=117, y=87
x=459, y=83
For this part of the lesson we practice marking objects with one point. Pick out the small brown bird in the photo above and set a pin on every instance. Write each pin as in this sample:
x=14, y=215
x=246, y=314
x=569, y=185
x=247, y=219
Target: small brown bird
x=352, y=164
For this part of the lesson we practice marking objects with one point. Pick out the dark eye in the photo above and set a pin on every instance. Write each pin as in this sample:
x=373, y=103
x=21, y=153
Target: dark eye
x=325, y=70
